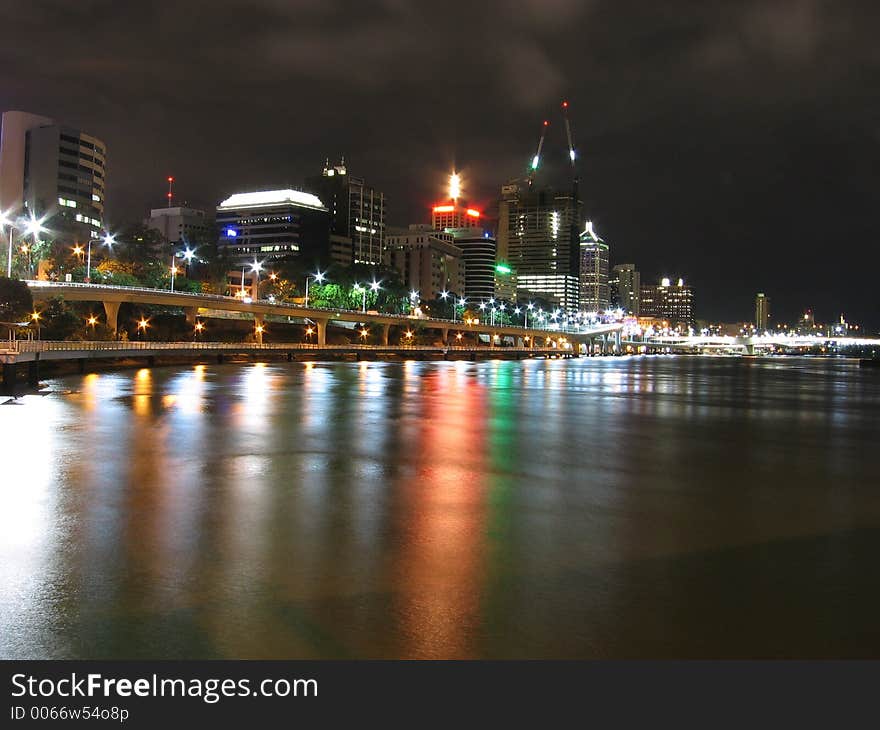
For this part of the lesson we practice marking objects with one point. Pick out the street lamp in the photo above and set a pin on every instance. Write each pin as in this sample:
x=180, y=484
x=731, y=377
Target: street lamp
x=188, y=254
x=108, y=240
x=142, y=326
x=444, y=295
x=92, y=321
x=173, y=272
x=198, y=328
x=319, y=279
x=32, y=227
x=256, y=267
x=358, y=289
x=35, y=317
x=461, y=303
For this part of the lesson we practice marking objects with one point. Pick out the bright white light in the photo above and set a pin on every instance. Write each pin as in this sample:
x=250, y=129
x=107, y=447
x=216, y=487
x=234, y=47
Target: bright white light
x=109, y=239
x=272, y=197
x=375, y=286
x=454, y=185
x=571, y=155
x=34, y=227
x=188, y=254
x=256, y=266
x=535, y=162
x=319, y=276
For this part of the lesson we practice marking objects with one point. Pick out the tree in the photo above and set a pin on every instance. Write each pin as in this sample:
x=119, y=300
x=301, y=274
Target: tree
x=16, y=302
x=58, y=321
x=141, y=248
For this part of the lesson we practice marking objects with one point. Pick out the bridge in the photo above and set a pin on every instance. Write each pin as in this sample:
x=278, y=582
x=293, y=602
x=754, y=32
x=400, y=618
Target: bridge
x=31, y=353
x=747, y=344
x=205, y=305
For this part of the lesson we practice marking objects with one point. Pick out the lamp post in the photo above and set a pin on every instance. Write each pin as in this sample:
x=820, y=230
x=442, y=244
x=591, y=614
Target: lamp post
x=319, y=279
x=173, y=271
x=362, y=290
x=108, y=240
x=10, y=227
x=256, y=267
x=444, y=295
x=461, y=303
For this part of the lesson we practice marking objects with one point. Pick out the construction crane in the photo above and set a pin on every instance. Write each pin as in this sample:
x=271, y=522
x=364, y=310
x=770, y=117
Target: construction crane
x=536, y=160
x=574, y=248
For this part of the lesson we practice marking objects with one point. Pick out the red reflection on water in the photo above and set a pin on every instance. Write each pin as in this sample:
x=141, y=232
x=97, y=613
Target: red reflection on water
x=440, y=559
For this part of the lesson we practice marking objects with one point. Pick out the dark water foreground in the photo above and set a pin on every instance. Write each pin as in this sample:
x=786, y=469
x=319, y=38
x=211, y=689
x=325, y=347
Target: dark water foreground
x=644, y=507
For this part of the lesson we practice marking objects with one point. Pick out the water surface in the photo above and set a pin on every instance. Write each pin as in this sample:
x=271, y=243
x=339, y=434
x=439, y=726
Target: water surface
x=616, y=507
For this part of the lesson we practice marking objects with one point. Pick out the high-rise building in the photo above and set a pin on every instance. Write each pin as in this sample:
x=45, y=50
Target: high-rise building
x=478, y=255
x=594, y=292
x=670, y=302
x=538, y=240
x=274, y=224
x=428, y=260
x=762, y=312
x=357, y=214
x=453, y=215
x=53, y=171
x=629, y=283
x=180, y=226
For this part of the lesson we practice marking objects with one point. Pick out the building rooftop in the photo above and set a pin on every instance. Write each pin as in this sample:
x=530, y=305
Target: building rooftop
x=266, y=198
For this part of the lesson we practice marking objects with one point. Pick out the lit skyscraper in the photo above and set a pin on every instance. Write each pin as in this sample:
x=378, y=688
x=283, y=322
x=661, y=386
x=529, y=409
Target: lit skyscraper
x=673, y=303
x=762, y=312
x=55, y=171
x=629, y=282
x=594, y=292
x=357, y=214
x=535, y=240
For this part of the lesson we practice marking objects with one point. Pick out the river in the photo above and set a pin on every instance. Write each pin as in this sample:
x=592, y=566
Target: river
x=591, y=508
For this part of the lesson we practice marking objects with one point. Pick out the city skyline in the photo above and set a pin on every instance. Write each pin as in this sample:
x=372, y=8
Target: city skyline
x=739, y=193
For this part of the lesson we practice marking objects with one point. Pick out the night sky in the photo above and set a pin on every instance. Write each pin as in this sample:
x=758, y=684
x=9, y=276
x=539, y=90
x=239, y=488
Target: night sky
x=732, y=143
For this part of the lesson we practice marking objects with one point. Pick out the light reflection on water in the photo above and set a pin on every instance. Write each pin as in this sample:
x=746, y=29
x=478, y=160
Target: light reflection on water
x=598, y=507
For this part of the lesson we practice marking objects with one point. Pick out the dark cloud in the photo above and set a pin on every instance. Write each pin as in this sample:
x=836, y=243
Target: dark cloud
x=733, y=143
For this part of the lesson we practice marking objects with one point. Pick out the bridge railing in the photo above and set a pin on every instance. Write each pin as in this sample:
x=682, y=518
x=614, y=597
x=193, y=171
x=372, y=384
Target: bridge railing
x=115, y=346
x=303, y=311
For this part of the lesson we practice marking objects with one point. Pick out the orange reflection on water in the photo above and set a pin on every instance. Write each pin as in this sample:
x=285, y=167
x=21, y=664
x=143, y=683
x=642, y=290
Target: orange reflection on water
x=440, y=565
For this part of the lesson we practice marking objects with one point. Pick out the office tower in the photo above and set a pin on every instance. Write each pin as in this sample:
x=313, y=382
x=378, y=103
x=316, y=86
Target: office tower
x=274, y=224
x=594, y=292
x=673, y=303
x=53, y=171
x=628, y=286
x=428, y=260
x=180, y=226
x=357, y=214
x=538, y=241
x=762, y=312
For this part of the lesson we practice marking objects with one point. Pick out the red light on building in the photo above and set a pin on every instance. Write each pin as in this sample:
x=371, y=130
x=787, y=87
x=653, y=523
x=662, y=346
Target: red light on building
x=168, y=195
x=565, y=105
x=170, y=179
x=444, y=208
x=473, y=213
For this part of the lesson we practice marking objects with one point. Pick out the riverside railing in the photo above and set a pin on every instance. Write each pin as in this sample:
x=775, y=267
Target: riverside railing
x=116, y=346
